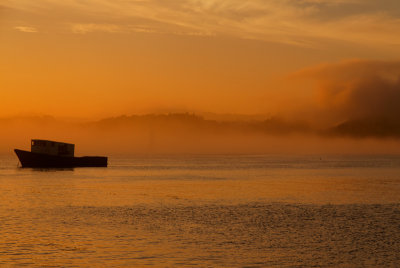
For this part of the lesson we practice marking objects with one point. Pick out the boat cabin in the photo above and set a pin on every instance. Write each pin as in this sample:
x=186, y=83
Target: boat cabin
x=52, y=148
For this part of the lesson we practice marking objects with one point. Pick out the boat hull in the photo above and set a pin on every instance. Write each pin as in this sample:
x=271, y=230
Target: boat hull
x=37, y=160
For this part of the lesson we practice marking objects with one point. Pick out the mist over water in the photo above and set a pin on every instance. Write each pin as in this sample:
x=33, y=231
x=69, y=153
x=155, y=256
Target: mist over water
x=189, y=100
x=203, y=210
x=192, y=134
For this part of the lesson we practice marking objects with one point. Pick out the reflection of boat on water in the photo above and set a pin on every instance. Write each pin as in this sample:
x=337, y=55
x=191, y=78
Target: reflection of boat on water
x=46, y=154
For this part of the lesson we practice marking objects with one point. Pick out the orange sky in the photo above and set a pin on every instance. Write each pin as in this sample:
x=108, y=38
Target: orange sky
x=101, y=58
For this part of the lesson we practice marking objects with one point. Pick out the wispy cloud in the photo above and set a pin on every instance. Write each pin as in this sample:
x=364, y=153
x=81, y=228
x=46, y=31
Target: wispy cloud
x=26, y=29
x=91, y=27
x=300, y=22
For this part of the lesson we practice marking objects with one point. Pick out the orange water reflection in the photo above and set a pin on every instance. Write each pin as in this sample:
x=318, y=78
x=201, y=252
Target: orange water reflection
x=200, y=213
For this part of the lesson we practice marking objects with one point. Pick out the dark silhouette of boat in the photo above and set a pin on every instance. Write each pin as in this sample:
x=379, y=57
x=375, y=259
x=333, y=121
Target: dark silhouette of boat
x=52, y=154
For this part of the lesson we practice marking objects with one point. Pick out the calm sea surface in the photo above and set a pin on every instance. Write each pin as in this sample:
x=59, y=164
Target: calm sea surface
x=204, y=211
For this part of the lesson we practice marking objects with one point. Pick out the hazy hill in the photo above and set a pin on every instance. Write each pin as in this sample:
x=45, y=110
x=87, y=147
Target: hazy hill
x=380, y=127
x=191, y=133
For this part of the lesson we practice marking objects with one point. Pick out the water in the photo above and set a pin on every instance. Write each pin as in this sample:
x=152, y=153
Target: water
x=205, y=211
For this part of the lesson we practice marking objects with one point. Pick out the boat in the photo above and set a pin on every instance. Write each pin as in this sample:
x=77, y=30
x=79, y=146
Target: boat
x=53, y=154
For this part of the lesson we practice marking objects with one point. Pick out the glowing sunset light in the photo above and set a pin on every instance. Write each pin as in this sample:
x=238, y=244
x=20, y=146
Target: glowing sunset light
x=323, y=63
